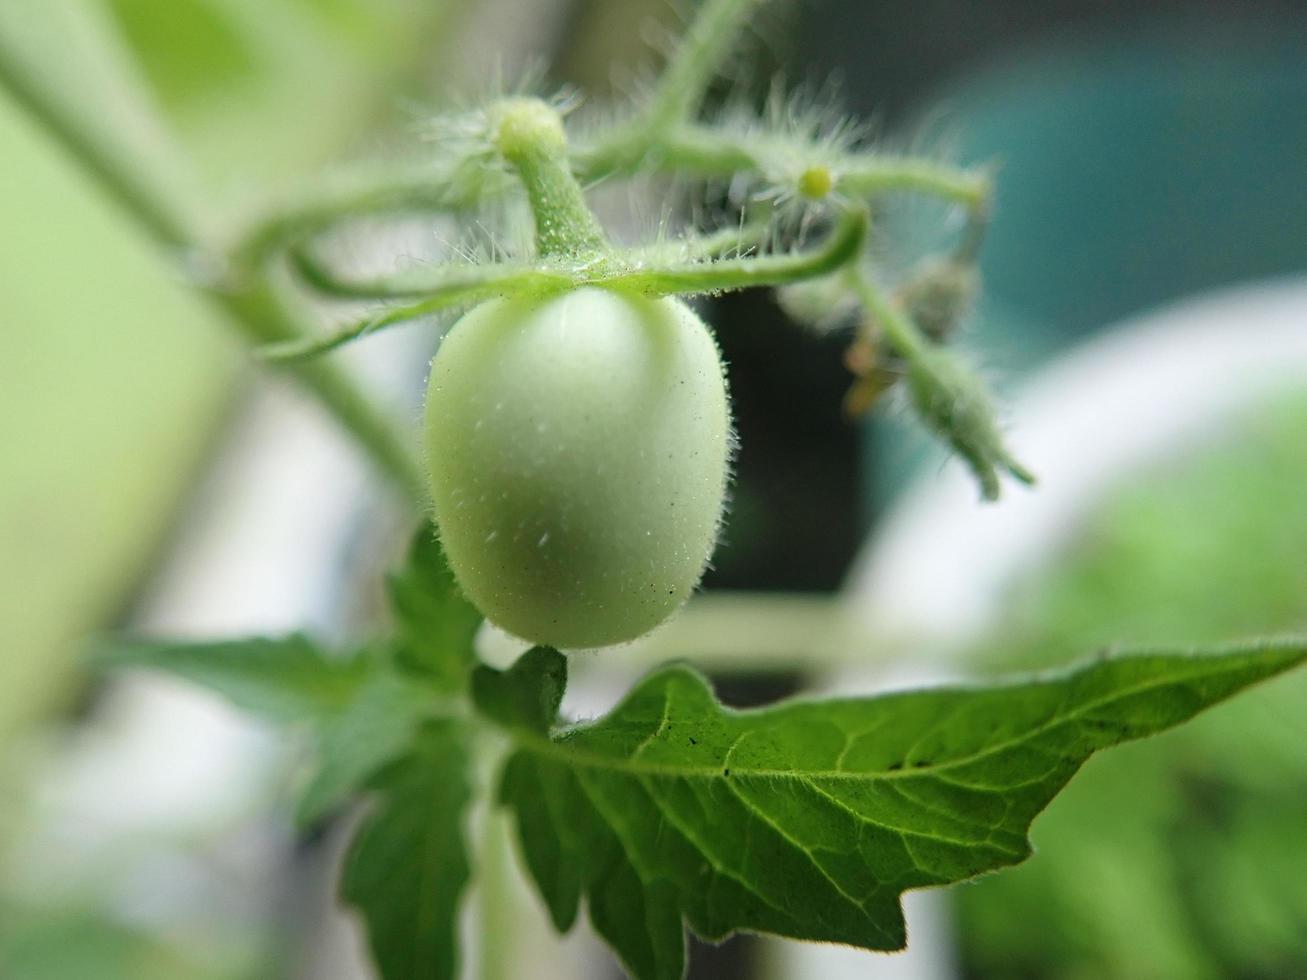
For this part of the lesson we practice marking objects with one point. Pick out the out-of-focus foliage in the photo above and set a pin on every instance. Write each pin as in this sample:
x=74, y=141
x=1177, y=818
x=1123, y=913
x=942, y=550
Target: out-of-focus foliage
x=381, y=720
x=111, y=372
x=264, y=88
x=109, y=375
x=1183, y=857
x=78, y=944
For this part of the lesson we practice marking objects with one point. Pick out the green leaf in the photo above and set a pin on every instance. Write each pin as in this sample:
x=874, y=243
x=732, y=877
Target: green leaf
x=284, y=679
x=526, y=695
x=408, y=865
x=374, y=729
x=435, y=626
x=810, y=819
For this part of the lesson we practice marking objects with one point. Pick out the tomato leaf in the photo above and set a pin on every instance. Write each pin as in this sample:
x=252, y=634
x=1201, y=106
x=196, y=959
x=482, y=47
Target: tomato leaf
x=809, y=819
x=527, y=694
x=408, y=864
x=374, y=729
x=434, y=625
x=283, y=679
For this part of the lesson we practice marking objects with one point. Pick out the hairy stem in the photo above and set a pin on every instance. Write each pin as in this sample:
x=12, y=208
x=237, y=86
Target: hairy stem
x=138, y=189
x=865, y=175
x=697, y=60
x=446, y=284
x=444, y=288
x=479, y=283
x=903, y=335
x=374, y=191
x=842, y=246
x=263, y=317
x=530, y=137
x=949, y=398
x=707, y=151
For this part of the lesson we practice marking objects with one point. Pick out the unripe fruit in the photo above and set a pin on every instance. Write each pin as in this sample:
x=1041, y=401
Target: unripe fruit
x=578, y=453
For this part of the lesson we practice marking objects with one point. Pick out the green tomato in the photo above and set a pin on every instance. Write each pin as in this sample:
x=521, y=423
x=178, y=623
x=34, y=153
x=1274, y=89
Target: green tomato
x=578, y=448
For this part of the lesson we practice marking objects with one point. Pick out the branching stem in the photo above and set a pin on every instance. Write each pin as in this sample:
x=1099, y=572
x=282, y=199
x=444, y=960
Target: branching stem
x=841, y=247
x=698, y=58
x=708, y=151
x=463, y=285
x=902, y=334
x=370, y=192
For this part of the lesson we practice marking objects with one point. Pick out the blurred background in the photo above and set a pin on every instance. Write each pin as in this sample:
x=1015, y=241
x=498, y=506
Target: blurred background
x=1144, y=315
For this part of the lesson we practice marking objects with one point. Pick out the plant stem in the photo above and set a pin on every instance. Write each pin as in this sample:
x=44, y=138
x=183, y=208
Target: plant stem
x=262, y=316
x=842, y=246
x=863, y=175
x=711, y=152
x=903, y=335
x=497, y=282
x=698, y=58
x=949, y=398
x=530, y=137
x=678, y=94
x=494, y=893
x=463, y=285
x=441, y=285
x=136, y=188
x=371, y=191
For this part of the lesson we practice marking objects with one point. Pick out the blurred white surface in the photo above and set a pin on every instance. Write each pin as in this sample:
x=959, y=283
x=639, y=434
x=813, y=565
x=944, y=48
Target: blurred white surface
x=1152, y=386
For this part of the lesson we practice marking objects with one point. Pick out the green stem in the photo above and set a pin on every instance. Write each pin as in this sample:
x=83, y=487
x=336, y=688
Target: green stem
x=455, y=287
x=864, y=175
x=447, y=285
x=480, y=284
x=903, y=335
x=706, y=151
x=263, y=317
x=842, y=246
x=949, y=398
x=138, y=189
x=698, y=58
x=371, y=191
x=495, y=897
x=530, y=137
x=733, y=239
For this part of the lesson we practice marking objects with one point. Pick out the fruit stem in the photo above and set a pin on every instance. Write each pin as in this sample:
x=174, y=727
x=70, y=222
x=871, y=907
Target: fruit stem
x=529, y=135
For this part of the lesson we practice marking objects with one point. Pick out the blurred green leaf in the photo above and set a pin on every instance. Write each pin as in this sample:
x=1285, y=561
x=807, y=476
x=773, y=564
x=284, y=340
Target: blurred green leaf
x=111, y=378
x=288, y=679
x=261, y=91
x=81, y=944
x=434, y=625
x=809, y=820
x=374, y=729
x=527, y=695
x=408, y=864
x=189, y=49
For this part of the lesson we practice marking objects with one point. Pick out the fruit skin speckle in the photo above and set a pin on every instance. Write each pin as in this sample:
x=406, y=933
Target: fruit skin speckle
x=578, y=451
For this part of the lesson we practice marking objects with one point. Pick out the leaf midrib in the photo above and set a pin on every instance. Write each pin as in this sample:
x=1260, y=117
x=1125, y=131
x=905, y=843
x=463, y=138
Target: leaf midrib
x=571, y=755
